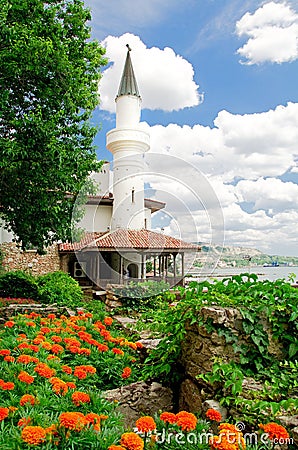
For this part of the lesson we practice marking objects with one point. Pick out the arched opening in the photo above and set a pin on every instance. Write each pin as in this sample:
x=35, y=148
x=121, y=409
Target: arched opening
x=133, y=270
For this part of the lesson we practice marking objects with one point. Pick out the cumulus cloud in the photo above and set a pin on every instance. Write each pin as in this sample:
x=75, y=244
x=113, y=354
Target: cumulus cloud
x=166, y=79
x=270, y=194
x=272, y=31
x=240, y=160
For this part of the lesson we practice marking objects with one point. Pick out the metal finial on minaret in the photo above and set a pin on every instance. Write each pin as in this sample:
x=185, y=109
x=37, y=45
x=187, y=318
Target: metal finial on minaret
x=128, y=47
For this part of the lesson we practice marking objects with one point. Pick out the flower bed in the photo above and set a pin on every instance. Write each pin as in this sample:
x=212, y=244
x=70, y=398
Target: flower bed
x=52, y=372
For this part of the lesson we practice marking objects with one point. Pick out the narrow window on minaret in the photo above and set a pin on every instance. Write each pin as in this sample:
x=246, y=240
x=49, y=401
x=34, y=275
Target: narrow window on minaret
x=145, y=224
x=133, y=195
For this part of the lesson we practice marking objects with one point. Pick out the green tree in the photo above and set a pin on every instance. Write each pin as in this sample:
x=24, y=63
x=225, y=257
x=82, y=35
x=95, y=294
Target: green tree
x=49, y=74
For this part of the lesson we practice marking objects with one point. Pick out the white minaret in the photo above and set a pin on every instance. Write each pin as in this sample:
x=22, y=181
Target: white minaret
x=128, y=142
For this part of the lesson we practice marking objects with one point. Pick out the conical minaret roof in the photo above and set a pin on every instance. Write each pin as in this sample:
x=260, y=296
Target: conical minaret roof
x=128, y=83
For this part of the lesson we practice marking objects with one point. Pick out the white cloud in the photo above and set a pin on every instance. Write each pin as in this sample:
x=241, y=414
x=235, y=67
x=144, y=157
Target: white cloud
x=166, y=80
x=273, y=33
x=269, y=194
x=240, y=160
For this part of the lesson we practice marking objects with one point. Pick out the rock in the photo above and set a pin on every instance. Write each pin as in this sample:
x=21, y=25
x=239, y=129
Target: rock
x=190, y=397
x=289, y=421
x=139, y=399
x=295, y=435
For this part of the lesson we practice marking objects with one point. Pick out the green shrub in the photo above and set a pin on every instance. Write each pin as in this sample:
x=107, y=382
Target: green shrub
x=60, y=288
x=18, y=284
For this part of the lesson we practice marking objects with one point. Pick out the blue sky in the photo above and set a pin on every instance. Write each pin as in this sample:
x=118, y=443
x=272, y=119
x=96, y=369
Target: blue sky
x=218, y=80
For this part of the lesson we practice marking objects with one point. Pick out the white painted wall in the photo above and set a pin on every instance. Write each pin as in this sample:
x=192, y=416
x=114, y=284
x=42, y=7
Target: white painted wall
x=102, y=180
x=97, y=218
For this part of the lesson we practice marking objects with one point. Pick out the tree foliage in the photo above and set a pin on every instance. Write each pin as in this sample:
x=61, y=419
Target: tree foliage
x=49, y=74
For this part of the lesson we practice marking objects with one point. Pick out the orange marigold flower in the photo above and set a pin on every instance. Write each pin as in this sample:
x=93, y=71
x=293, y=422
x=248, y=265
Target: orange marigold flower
x=88, y=368
x=9, y=324
x=56, y=348
x=72, y=420
x=275, y=431
x=3, y=413
x=117, y=351
x=108, y=320
x=51, y=316
x=116, y=447
x=102, y=347
x=46, y=345
x=9, y=358
x=24, y=359
x=71, y=385
x=126, y=372
x=213, y=414
x=145, y=424
x=12, y=409
x=132, y=441
x=230, y=438
x=27, y=398
x=79, y=397
x=24, y=421
x=80, y=373
x=94, y=419
x=168, y=417
x=84, y=351
x=187, y=421
x=44, y=370
x=4, y=352
x=139, y=344
x=66, y=369
x=31, y=324
x=9, y=386
x=56, y=339
x=25, y=377
x=60, y=387
x=33, y=435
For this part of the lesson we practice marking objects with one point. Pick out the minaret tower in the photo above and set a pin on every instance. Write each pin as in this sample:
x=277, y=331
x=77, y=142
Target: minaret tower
x=128, y=143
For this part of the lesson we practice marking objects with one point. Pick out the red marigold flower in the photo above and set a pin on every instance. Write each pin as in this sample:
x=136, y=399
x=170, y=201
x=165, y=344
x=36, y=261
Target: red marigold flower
x=51, y=316
x=3, y=413
x=108, y=320
x=56, y=348
x=132, y=441
x=66, y=369
x=275, y=431
x=213, y=414
x=168, y=417
x=117, y=351
x=72, y=420
x=145, y=424
x=79, y=397
x=126, y=372
x=27, y=398
x=4, y=352
x=44, y=370
x=187, y=421
x=24, y=359
x=24, y=421
x=33, y=435
x=9, y=324
x=80, y=373
x=25, y=377
x=8, y=386
x=139, y=344
x=9, y=358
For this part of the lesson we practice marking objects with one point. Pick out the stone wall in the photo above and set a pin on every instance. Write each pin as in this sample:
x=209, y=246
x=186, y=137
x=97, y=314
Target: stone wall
x=17, y=259
x=200, y=346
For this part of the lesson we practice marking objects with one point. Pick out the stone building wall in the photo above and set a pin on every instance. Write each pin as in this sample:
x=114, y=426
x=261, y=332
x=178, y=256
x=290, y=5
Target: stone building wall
x=17, y=259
